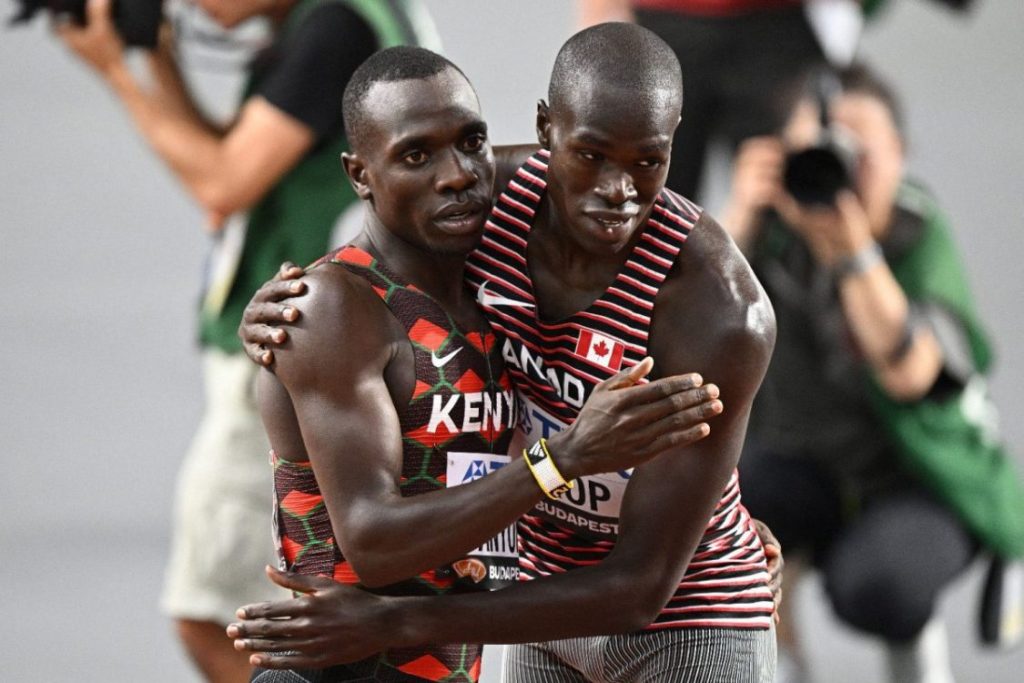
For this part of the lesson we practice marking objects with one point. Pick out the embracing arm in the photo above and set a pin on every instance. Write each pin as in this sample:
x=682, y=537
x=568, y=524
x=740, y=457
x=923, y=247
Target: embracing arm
x=344, y=375
x=669, y=500
x=665, y=511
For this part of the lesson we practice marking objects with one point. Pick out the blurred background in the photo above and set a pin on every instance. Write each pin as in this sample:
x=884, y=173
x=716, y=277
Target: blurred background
x=100, y=255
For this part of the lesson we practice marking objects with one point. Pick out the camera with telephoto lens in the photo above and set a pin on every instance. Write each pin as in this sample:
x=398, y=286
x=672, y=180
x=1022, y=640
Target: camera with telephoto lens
x=136, y=21
x=815, y=175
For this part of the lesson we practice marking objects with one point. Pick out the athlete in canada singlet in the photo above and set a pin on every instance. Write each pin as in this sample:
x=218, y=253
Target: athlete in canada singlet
x=456, y=428
x=555, y=366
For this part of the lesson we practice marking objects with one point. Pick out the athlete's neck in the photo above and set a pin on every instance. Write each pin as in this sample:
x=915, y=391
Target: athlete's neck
x=553, y=244
x=438, y=274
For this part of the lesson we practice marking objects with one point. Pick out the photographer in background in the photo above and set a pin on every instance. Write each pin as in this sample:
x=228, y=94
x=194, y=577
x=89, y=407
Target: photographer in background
x=871, y=451
x=273, y=190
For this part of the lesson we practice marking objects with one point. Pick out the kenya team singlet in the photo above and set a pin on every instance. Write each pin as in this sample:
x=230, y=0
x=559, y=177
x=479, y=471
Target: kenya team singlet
x=556, y=365
x=455, y=428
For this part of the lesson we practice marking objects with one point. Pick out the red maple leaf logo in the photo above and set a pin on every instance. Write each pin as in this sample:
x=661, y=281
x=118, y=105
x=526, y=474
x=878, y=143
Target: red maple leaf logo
x=600, y=348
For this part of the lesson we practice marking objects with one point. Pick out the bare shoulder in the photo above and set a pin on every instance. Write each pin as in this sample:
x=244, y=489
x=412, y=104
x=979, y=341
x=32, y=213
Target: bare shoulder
x=712, y=315
x=344, y=325
x=507, y=160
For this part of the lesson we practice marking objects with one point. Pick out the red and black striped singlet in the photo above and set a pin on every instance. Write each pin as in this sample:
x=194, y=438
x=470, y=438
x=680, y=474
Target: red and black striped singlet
x=462, y=404
x=555, y=367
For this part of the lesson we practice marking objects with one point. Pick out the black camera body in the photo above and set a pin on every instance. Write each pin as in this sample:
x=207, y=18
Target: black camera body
x=137, y=21
x=815, y=175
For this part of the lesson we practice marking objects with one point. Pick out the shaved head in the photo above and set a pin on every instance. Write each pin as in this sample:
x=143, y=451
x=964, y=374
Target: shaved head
x=401, y=63
x=618, y=57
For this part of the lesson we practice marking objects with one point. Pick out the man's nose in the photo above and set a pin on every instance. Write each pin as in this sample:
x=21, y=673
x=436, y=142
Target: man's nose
x=617, y=188
x=455, y=172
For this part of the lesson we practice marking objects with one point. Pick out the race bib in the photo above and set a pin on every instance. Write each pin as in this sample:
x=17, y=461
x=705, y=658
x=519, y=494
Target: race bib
x=592, y=506
x=495, y=564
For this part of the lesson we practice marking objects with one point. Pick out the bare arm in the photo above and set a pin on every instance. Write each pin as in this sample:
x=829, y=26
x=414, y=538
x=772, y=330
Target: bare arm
x=345, y=374
x=905, y=360
x=224, y=174
x=659, y=528
x=169, y=85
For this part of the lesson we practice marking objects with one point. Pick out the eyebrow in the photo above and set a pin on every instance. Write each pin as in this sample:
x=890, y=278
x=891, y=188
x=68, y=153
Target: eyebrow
x=588, y=138
x=413, y=141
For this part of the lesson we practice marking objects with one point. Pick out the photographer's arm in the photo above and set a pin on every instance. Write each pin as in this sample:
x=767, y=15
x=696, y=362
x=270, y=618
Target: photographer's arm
x=224, y=174
x=169, y=85
x=905, y=358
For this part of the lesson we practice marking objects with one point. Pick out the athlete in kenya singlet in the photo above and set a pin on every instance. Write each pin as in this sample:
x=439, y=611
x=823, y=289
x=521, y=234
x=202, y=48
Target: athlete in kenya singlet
x=555, y=366
x=455, y=428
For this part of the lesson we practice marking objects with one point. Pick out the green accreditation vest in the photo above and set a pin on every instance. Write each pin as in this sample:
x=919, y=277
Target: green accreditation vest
x=952, y=443
x=295, y=219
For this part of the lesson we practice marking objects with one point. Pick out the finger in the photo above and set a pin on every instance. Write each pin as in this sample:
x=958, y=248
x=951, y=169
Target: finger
x=659, y=389
x=658, y=441
x=97, y=11
x=276, y=291
x=768, y=539
x=270, y=313
x=289, y=271
x=259, y=354
x=303, y=583
x=681, y=424
x=284, y=661
x=629, y=376
x=682, y=414
x=265, y=335
x=291, y=646
x=692, y=404
x=271, y=628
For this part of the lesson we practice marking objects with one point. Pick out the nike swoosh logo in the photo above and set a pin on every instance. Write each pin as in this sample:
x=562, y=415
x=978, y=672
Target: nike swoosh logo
x=487, y=300
x=442, y=361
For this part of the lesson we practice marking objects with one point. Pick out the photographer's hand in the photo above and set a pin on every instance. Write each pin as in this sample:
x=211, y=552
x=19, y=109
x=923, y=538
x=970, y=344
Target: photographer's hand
x=756, y=183
x=832, y=233
x=97, y=43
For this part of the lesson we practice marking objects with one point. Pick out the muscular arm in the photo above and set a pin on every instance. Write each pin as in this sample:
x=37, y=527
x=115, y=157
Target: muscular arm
x=349, y=363
x=713, y=316
x=665, y=510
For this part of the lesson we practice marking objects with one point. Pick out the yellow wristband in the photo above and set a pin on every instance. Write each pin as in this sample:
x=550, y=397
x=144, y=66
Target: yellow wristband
x=542, y=466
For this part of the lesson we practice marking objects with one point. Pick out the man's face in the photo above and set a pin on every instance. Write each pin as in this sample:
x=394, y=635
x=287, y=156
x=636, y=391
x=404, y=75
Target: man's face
x=609, y=159
x=428, y=163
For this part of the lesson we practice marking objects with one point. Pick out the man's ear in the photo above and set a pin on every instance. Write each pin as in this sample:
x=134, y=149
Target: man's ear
x=543, y=124
x=355, y=169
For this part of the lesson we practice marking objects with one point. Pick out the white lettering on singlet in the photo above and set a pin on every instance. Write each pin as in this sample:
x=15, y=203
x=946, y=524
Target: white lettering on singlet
x=569, y=388
x=481, y=411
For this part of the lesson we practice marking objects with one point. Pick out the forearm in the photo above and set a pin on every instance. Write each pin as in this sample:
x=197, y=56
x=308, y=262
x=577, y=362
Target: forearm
x=190, y=149
x=906, y=359
x=416, y=533
x=589, y=601
x=169, y=89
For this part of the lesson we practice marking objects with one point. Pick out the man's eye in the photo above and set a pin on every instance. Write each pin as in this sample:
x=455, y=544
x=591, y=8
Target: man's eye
x=589, y=156
x=649, y=163
x=474, y=143
x=415, y=158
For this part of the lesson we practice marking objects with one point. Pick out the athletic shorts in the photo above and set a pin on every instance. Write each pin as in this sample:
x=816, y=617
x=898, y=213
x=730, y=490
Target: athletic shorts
x=222, y=537
x=701, y=655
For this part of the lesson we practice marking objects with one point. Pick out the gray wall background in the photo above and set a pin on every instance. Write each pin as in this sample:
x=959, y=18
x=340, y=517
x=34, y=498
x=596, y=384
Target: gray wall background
x=100, y=257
